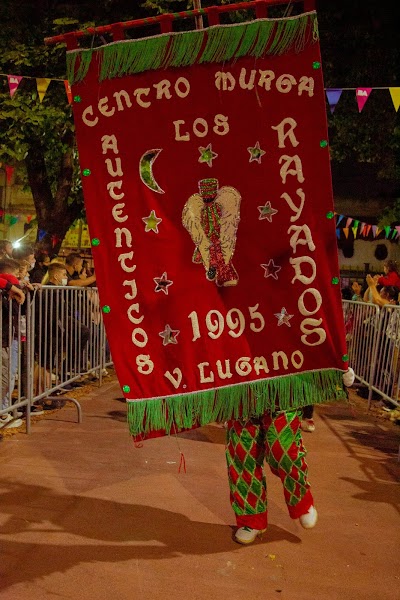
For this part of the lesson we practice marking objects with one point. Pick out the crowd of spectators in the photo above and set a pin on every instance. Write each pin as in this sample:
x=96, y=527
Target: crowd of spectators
x=26, y=272
x=378, y=289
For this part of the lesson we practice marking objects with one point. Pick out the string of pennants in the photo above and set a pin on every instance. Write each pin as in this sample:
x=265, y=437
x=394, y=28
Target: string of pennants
x=42, y=83
x=13, y=219
x=333, y=94
x=362, y=94
x=364, y=231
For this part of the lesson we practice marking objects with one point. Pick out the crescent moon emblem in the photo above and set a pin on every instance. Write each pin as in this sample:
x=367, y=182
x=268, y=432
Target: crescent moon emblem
x=146, y=170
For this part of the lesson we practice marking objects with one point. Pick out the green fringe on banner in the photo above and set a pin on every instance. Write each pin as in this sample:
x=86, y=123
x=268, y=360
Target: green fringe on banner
x=217, y=44
x=183, y=51
x=248, y=400
x=125, y=58
x=78, y=73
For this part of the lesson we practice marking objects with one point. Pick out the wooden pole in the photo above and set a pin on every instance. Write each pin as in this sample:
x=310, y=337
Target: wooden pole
x=198, y=18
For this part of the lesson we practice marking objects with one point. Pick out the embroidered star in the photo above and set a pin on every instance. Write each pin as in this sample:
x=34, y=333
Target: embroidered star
x=169, y=335
x=266, y=212
x=256, y=153
x=283, y=317
x=162, y=283
x=207, y=155
x=152, y=222
x=271, y=269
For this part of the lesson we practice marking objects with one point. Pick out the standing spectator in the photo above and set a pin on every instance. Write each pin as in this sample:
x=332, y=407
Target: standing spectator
x=387, y=295
x=49, y=328
x=58, y=275
x=40, y=268
x=23, y=272
x=25, y=252
x=391, y=275
x=6, y=249
x=10, y=284
x=74, y=266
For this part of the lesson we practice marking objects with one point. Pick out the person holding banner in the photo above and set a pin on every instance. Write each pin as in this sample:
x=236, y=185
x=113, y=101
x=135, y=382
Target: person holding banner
x=275, y=438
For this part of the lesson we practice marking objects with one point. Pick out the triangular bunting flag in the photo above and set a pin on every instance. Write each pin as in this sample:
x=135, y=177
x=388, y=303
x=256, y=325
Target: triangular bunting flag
x=395, y=93
x=387, y=229
x=367, y=230
x=13, y=83
x=354, y=230
x=362, y=225
x=28, y=218
x=42, y=83
x=349, y=222
x=374, y=229
x=54, y=240
x=338, y=233
x=68, y=90
x=9, y=174
x=341, y=217
x=394, y=234
x=397, y=228
x=346, y=232
x=333, y=95
x=362, y=95
x=41, y=234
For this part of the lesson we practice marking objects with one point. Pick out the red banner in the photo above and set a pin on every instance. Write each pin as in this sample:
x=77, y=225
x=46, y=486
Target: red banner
x=208, y=195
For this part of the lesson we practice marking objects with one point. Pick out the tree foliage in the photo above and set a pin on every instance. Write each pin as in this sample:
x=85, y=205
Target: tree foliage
x=38, y=137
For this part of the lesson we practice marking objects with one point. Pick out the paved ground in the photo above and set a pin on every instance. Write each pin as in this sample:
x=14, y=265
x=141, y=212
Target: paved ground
x=85, y=515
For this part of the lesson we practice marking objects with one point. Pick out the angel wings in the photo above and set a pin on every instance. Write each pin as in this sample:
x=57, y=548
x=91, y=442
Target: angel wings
x=226, y=206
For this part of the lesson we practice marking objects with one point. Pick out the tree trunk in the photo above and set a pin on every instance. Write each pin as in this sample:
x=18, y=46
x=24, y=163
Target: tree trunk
x=54, y=215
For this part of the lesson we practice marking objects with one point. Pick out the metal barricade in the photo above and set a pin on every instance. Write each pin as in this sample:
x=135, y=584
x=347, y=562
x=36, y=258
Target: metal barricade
x=55, y=338
x=386, y=363
x=373, y=346
x=15, y=363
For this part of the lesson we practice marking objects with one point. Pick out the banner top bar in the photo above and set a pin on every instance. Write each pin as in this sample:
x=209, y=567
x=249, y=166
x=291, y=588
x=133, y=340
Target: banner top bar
x=166, y=20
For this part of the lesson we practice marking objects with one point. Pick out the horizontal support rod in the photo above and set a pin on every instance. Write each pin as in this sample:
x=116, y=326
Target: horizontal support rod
x=165, y=20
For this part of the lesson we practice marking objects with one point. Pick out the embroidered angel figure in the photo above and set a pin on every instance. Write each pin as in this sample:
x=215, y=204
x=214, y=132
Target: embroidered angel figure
x=212, y=218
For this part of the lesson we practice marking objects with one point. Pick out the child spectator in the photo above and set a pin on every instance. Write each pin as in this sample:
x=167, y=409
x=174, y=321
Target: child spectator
x=6, y=249
x=357, y=291
x=391, y=276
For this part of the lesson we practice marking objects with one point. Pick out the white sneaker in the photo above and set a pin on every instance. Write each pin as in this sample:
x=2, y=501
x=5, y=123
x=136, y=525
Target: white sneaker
x=308, y=425
x=9, y=421
x=247, y=535
x=309, y=519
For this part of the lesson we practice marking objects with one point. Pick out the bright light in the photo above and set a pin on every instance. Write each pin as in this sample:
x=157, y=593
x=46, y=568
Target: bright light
x=16, y=244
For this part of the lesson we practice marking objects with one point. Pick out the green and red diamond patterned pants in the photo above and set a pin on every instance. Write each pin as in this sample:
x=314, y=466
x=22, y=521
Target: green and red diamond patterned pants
x=275, y=439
